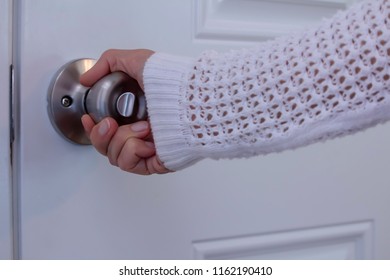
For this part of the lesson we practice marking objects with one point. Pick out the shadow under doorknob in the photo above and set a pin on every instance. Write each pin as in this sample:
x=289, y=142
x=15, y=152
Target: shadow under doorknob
x=116, y=95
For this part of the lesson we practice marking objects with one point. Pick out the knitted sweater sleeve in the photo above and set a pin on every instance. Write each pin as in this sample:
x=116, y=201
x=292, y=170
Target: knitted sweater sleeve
x=323, y=83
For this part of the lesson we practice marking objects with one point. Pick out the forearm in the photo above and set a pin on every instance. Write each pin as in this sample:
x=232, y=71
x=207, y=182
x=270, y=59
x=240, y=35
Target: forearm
x=283, y=94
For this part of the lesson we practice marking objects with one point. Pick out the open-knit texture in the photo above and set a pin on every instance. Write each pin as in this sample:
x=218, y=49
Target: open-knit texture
x=308, y=87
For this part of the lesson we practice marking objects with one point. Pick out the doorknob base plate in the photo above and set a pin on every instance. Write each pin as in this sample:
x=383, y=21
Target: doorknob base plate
x=66, y=101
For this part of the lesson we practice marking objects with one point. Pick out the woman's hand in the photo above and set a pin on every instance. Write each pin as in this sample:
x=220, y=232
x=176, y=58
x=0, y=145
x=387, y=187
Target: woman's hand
x=130, y=147
x=132, y=62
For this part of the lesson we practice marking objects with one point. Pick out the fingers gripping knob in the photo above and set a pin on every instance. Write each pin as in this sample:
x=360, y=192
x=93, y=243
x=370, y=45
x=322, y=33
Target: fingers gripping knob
x=116, y=95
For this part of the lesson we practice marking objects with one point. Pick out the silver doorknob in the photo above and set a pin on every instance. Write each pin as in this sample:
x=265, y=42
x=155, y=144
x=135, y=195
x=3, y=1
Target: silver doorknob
x=116, y=95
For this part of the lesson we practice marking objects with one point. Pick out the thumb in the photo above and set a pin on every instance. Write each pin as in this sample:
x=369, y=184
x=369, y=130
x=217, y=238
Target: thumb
x=102, y=133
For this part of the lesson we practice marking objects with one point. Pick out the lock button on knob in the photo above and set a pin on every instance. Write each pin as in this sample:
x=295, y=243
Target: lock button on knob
x=125, y=104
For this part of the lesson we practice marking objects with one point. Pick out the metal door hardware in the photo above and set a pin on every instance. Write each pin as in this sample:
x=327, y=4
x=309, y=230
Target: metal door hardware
x=116, y=95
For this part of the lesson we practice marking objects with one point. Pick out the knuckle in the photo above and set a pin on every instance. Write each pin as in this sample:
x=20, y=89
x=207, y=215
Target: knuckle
x=112, y=161
x=99, y=148
x=109, y=53
x=160, y=169
x=110, y=56
x=124, y=165
x=131, y=145
x=121, y=166
x=128, y=161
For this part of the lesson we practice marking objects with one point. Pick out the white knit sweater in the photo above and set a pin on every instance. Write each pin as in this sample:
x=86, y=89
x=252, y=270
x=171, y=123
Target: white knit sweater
x=324, y=83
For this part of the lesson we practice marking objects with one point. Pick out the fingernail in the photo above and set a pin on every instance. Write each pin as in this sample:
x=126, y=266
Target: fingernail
x=83, y=120
x=104, y=126
x=139, y=126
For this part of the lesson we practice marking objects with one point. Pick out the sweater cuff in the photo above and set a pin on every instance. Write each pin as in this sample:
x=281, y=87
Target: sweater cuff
x=164, y=78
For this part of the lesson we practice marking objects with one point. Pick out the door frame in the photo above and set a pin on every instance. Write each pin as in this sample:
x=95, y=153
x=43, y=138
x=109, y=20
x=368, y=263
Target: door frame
x=6, y=193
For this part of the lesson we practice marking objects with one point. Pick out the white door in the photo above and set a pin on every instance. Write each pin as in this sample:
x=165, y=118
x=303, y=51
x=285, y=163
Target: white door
x=324, y=201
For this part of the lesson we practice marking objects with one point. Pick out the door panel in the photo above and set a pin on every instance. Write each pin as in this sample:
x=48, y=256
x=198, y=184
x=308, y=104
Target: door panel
x=254, y=21
x=73, y=204
x=347, y=241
